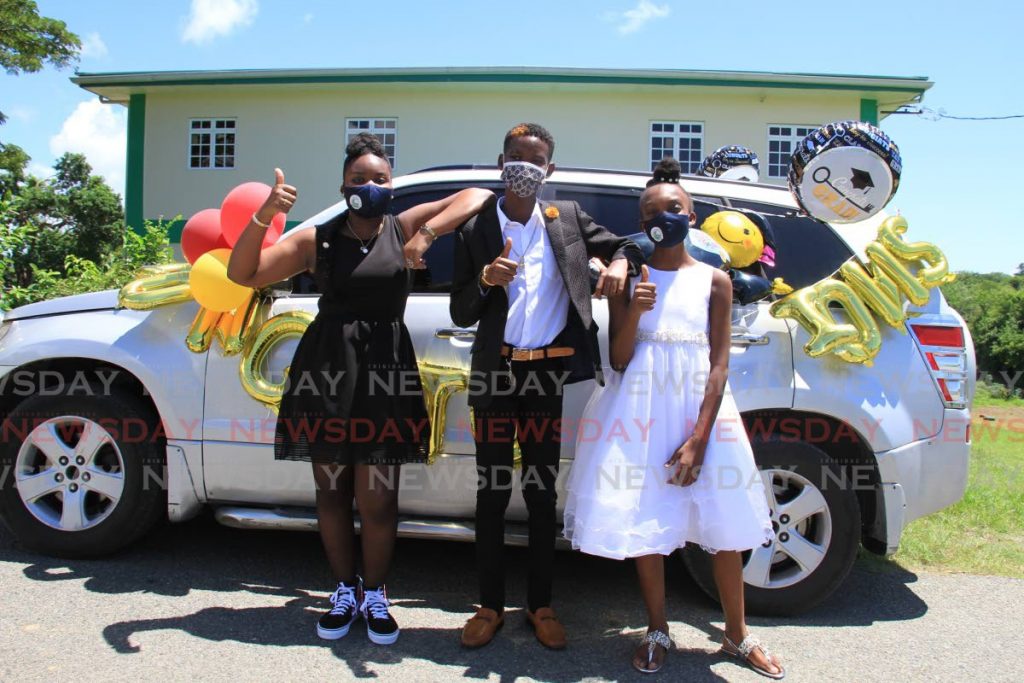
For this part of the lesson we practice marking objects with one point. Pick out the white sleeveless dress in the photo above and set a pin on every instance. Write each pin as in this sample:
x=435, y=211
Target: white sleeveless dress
x=619, y=502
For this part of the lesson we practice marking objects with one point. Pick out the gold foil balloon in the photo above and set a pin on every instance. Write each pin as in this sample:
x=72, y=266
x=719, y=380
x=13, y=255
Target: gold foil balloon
x=200, y=334
x=882, y=259
x=936, y=273
x=878, y=292
x=878, y=286
x=857, y=341
x=233, y=328
x=737, y=235
x=156, y=286
x=275, y=330
x=211, y=286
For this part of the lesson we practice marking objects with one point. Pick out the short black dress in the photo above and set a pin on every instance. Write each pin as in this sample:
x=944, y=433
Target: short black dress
x=353, y=392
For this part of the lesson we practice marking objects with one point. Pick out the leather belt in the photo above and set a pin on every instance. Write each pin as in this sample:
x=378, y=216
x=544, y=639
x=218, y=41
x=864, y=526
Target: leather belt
x=536, y=354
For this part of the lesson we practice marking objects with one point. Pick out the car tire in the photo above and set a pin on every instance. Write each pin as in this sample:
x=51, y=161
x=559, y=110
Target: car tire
x=83, y=476
x=811, y=556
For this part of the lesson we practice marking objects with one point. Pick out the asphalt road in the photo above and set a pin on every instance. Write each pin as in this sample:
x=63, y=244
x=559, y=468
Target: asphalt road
x=202, y=602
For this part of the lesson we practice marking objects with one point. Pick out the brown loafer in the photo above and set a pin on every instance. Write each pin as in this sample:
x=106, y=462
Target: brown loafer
x=549, y=630
x=481, y=627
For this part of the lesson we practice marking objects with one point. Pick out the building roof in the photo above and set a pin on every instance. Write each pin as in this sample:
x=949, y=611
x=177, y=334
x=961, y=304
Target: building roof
x=117, y=86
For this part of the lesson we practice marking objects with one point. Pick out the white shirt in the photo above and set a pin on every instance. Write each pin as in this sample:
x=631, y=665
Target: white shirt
x=538, y=302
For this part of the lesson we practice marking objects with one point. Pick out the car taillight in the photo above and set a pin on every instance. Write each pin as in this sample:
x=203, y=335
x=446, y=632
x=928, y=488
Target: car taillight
x=944, y=350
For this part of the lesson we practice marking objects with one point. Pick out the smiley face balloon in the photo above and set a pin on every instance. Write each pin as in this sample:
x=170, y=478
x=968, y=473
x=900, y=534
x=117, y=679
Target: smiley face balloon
x=737, y=234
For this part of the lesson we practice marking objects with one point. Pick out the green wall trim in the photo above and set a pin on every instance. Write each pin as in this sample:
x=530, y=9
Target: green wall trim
x=869, y=111
x=136, y=160
x=101, y=81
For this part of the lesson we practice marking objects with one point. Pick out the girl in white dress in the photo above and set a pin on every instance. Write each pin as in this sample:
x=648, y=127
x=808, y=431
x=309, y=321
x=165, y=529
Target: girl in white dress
x=672, y=463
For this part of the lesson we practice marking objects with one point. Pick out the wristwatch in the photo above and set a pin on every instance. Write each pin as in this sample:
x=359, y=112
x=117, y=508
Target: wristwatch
x=428, y=231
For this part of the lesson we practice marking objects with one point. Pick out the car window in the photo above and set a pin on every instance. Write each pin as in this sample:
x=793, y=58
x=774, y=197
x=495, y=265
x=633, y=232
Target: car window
x=806, y=250
x=619, y=209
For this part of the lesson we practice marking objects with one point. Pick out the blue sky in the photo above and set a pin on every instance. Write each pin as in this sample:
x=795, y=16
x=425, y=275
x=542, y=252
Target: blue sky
x=958, y=175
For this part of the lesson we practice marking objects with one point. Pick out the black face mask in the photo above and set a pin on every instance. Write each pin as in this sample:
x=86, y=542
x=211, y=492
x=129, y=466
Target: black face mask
x=369, y=200
x=667, y=229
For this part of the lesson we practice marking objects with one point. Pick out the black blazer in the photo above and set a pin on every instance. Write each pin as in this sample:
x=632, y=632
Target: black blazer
x=575, y=238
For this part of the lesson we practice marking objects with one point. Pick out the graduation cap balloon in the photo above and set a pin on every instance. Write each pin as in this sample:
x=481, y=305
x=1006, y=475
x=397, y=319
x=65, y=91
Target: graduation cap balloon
x=845, y=172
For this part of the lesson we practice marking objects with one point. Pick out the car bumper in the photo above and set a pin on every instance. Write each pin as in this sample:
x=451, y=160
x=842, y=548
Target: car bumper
x=922, y=477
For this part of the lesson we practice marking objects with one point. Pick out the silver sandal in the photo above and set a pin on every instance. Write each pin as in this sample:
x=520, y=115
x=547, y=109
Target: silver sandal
x=651, y=639
x=743, y=650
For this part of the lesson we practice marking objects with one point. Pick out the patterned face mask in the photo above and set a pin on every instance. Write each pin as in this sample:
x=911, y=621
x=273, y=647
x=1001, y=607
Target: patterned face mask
x=523, y=178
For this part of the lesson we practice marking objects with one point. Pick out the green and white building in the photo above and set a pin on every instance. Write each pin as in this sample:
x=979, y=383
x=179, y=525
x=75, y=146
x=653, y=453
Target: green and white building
x=194, y=135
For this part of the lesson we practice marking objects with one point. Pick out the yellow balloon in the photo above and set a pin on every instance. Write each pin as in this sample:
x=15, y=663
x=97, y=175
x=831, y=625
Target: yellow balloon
x=737, y=234
x=211, y=286
x=273, y=332
x=156, y=286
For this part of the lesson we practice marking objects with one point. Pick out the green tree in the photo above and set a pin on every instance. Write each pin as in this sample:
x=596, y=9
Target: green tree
x=992, y=304
x=73, y=213
x=28, y=41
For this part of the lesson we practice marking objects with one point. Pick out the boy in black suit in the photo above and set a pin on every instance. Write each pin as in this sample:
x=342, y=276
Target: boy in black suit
x=521, y=272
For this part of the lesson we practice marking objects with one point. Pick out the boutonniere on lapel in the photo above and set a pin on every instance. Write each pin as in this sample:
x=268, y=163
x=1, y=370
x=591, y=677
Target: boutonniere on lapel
x=551, y=212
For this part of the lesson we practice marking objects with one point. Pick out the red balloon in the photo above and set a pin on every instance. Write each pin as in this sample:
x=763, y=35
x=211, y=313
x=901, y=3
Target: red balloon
x=239, y=206
x=202, y=233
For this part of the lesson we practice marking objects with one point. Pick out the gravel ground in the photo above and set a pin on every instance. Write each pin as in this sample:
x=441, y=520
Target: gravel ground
x=201, y=602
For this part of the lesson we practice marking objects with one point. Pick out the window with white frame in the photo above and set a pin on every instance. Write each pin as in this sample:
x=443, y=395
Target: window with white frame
x=386, y=131
x=683, y=140
x=783, y=140
x=211, y=143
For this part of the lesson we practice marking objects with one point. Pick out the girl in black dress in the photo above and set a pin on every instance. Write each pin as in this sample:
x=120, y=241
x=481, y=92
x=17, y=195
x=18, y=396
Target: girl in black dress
x=353, y=404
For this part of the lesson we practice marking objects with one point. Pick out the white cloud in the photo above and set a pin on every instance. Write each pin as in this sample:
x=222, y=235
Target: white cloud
x=632, y=20
x=40, y=170
x=21, y=113
x=93, y=47
x=208, y=19
x=99, y=131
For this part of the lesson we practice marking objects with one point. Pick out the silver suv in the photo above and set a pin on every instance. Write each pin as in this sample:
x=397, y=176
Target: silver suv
x=851, y=454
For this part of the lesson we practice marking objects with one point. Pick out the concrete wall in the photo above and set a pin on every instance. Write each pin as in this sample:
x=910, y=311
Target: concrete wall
x=301, y=129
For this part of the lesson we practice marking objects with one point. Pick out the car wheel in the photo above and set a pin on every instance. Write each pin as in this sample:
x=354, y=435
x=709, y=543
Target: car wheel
x=817, y=524
x=82, y=476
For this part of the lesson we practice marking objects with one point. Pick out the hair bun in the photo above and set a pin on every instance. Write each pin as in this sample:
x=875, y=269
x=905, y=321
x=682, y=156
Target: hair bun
x=364, y=143
x=668, y=170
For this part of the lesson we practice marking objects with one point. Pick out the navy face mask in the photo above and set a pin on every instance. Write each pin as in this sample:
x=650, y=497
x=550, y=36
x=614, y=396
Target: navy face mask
x=369, y=201
x=667, y=229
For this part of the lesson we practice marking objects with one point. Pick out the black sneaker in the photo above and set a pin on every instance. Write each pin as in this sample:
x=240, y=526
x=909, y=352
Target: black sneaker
x=336, y=623
x=381, y=627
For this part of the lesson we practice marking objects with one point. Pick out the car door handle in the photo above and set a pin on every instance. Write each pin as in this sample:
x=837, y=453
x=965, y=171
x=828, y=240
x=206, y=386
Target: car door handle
x=454, y=333
x=749, y=339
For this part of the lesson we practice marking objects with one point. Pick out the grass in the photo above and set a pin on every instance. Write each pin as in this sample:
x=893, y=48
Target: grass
x=984, y=532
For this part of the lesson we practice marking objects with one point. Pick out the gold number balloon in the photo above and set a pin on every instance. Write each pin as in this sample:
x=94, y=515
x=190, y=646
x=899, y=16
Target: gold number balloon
x=232, y=329
x=157, y=286
x=274, y=331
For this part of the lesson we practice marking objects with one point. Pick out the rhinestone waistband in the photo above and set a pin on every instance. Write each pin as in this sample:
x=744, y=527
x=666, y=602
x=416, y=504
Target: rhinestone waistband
x=672, y=337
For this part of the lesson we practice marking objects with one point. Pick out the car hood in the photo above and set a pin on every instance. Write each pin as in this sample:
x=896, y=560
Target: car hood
x=92, y=301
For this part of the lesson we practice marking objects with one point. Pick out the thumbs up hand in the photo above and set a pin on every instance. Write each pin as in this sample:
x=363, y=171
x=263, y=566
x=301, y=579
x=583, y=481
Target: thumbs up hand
x=280, y=200
x=502, y=270
x=645, y=294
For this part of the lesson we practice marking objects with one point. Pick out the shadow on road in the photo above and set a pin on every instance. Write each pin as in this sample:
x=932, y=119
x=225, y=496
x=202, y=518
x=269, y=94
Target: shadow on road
x=596, y=599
